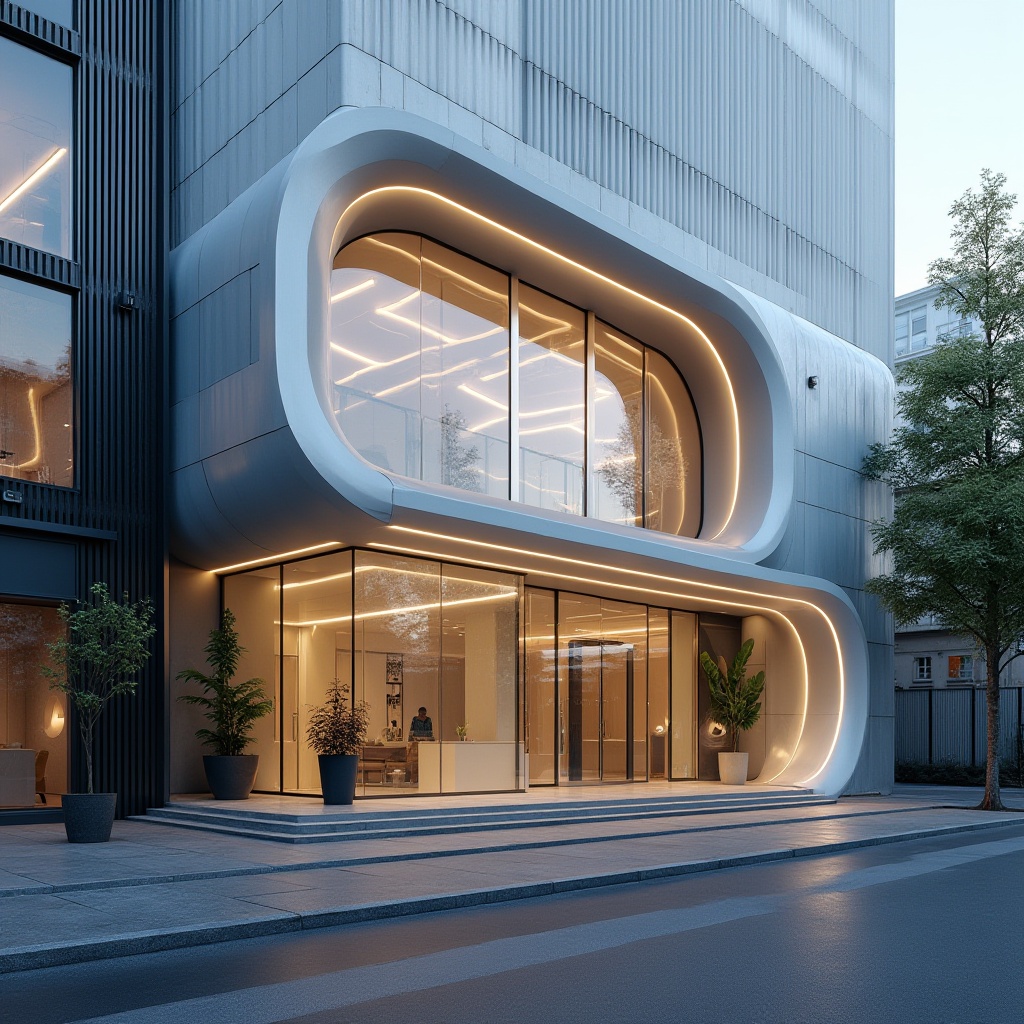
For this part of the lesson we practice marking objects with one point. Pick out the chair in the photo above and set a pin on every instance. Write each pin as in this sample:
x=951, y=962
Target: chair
x=41, y=756
x=371, y=760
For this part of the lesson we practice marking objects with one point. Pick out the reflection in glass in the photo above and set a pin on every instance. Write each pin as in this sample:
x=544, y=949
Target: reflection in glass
x=684, y=695
x=544, y=735
x=317, y=645
x=255, y=598
x=36, y=434
x=32, y=718
x=398, y=638
x=419, y=361
x=616, y=494
x=552, y=402
x=673, y=453
x=657, y=691
x=35, y=141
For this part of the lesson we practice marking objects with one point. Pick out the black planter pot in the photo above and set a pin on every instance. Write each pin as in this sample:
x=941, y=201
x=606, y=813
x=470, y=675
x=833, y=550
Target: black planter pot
x=231, y=777
x=88, y=817
x=338, y=777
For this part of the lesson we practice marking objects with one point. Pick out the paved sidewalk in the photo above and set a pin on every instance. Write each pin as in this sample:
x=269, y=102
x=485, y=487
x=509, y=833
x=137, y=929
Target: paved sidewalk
x=158, y=887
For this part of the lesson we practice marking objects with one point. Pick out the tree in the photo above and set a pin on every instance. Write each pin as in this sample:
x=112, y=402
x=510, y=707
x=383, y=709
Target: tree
x=100, y=657
x=458, y=458
x=956, y=538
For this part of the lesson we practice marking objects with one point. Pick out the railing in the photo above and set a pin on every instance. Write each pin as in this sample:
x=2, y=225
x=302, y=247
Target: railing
x=933, y=726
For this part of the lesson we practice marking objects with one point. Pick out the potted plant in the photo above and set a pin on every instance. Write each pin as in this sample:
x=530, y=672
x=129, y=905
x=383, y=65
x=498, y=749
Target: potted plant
x=735, y=705
x=462, y=731
x=232, y=708
x=99, y=658
x=336, y=732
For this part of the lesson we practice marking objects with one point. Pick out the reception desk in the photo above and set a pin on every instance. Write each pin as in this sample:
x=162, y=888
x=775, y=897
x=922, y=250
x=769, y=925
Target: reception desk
x=456, y=767
x=17, y=777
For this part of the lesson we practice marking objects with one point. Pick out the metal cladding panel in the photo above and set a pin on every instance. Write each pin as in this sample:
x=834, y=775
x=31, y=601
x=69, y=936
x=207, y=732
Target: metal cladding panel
x=119, y=367
x=762, y=129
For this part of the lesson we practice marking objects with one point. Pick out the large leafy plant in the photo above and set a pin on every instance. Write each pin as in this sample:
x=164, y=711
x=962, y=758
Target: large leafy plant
x=735, y=700
x=99, y=658
x=232, y=708
x=336, y=728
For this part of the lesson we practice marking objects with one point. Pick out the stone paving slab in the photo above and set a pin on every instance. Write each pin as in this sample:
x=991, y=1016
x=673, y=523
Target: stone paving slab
x=156, y=887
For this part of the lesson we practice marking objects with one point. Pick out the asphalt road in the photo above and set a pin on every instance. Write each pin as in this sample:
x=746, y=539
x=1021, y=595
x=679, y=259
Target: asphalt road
x=928, y=931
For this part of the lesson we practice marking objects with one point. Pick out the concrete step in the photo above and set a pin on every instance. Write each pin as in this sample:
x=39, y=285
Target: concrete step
x=347, y=824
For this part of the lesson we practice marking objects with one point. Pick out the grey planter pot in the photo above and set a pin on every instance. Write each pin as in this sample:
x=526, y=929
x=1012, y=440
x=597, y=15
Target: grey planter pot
x=338, y=777
x=88, y=817
x=231, y=777
x=732, y=767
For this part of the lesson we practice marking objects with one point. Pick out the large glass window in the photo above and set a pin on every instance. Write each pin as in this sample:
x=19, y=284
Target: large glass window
x=421, y=384
x=552, y=402
x=33, y=731
x=35, y=143
x=36, y=411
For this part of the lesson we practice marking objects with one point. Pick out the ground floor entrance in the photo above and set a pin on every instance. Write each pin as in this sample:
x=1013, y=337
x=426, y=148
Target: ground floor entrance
x=475, y=682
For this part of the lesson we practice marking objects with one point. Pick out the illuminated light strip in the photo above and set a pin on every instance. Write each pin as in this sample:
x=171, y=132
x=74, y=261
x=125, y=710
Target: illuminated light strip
x=425, y=376
x=270, y=559
x=34, y=412
x=41, y=171
x=354, y=290
x=431, y=606
x=668, y=579
x=675, y=595
x=553, y=426
x=465, y=388
x=610, y=282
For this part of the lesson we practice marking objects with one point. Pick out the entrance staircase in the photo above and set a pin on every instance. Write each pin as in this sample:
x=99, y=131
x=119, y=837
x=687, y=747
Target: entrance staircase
x=380, y=821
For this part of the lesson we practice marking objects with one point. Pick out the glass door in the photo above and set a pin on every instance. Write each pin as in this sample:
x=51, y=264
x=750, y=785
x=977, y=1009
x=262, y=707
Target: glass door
x=600, y=711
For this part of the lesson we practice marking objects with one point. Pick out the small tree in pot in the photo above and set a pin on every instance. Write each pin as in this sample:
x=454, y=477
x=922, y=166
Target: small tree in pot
x=735, y=705
x=336, y=732
x=232, y=708
x=99, y=658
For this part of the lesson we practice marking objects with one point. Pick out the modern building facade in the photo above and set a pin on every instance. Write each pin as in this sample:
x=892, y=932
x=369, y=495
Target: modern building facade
x=82, y=371
x=522, y=351
x=518, y=353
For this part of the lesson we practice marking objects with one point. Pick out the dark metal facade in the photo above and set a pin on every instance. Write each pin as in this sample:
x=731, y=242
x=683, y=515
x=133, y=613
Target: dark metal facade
x=114, y=515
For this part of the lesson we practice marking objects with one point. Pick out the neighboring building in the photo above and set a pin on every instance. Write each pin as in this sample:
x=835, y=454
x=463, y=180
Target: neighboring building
x=925, y=655
x=507, y=375
x=82, y=367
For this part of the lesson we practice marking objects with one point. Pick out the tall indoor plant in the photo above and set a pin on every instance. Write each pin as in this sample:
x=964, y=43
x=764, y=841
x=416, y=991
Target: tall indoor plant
x=232, y=709
x=336, y=732
x=735, y=705
x=99, y=658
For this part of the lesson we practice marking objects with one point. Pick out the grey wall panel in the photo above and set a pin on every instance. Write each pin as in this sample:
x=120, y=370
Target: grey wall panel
x=763, y=129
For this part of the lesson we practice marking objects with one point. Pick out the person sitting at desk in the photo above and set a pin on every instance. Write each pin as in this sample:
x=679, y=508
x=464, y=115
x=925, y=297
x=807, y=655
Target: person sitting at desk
x=422, y=727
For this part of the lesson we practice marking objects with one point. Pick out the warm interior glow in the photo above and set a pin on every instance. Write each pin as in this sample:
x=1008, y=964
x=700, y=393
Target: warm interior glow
x=611, y=283
x=280, y=557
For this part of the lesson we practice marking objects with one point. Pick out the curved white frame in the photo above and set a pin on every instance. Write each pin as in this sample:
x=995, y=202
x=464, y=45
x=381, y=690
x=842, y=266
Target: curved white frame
x=284, y=477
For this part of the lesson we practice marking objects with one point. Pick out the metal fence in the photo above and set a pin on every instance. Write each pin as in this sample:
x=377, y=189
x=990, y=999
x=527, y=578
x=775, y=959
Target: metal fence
x=933, y=726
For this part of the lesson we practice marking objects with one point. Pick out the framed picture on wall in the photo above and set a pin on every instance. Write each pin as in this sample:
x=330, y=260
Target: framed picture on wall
x=393, y=668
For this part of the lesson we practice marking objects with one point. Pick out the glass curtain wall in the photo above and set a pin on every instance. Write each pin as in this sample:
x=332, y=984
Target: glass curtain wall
x=33, y=718
x=658, y=719
x=683, y=742
x=545, y=730
x=552, y=402
x=419, y=361
x=255, y=599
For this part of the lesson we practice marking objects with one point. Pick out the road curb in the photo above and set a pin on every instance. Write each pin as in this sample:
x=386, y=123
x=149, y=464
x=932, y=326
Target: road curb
x=71, y=952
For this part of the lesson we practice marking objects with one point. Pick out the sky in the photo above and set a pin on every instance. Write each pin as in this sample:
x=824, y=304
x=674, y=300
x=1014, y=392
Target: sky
x=959, y=108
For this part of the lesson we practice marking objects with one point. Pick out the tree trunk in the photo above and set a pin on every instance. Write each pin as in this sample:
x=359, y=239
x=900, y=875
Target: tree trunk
x=992, y=800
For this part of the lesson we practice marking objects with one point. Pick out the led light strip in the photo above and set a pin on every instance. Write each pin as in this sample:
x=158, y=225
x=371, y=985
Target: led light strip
x=610, y=282
x=41, y=171
x=282, y=556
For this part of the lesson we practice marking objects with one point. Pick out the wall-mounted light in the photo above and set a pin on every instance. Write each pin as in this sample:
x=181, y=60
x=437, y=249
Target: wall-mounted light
x=53, y=718
x=127, y=303
x=812, y=382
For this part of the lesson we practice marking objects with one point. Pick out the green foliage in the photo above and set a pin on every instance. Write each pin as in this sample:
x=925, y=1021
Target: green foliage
x=232, y=708
x=334, y=727
x=99, y=658
x=735, y=700
x=956, y=538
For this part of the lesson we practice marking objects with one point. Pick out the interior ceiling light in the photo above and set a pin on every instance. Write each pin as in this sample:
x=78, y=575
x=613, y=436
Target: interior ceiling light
x=354, y=290
x=40, y=172
x=611, y=283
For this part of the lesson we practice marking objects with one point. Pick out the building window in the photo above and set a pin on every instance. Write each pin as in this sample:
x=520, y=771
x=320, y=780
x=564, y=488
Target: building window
x=919, y=328
x=902, y=333
x=961, y=667
x=35, y=145
x=445, y=370
x=36, y=407
x=922, y=670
